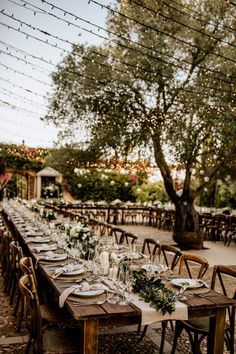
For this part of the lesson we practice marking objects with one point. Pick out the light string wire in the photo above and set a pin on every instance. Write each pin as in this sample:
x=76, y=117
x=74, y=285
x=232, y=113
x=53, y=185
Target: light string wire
x=67, y=41
x=59, y=67
x=91, y=60
x=25, y=99
x=26, y=75
x=197, y=14
x=162, y=32
x=23, y=88
x=123, y=38
x=180, y=23
x=19, y=108
x=38, y=67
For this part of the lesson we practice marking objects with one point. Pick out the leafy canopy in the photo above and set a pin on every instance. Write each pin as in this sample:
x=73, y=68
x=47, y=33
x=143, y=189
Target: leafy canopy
x=164, y=82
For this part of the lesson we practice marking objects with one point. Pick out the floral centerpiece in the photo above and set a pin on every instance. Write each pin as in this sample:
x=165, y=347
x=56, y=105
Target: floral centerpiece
x=154, y=291
x=82, y=237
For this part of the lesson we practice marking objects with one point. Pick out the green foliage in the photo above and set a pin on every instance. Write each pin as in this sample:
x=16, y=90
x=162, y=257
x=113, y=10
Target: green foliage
x=152, y=192
x=108, y=185
x=159, y=87
x=154, y=292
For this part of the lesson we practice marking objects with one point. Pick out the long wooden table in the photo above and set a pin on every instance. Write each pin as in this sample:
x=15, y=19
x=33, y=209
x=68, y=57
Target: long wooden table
x=93, y=316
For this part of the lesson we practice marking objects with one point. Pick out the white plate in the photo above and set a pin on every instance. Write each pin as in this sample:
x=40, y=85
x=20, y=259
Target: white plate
x=191, y=283
x=88, y=293
x=74, y=272
x=56, y=257
x=154, y=268
x=130, y=255
x=38, y=239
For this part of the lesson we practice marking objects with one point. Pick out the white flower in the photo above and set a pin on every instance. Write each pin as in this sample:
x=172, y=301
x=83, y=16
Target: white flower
x=126, y=184
x=112, y=183
x=138, y=190
x=79, y=185
x=201, y=172
x=206, y=179
x=205, y=189
x=76, y=170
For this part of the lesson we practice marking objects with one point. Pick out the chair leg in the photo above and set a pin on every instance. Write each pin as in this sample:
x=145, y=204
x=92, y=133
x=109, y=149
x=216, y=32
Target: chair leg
x=143, y=332
x=163, y=335
x=178, y=330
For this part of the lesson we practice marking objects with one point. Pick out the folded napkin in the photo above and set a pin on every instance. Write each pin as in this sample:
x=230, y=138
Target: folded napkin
x=68, y=268
x=84, y=286
x=64, y=295
x=37, y=239
x=44, y=247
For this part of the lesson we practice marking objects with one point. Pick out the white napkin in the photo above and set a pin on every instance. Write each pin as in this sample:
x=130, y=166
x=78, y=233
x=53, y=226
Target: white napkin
x=37, y=239
x=68, y=268
x=44, y=247
x=64, y=295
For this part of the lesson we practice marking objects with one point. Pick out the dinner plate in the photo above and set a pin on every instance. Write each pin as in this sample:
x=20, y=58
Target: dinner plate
x=154, y=268
x=56, y=257
x=74, y=272
x=38, y=239
x=190, y=283
x=88, y=293
x=130, y=255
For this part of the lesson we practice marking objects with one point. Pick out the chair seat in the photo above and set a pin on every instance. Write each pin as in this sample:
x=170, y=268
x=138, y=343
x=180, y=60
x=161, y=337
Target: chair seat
x=61, y=341
x=201, y=323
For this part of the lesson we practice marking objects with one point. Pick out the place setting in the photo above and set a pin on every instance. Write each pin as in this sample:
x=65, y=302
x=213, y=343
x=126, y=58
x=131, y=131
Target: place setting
x=188, y=287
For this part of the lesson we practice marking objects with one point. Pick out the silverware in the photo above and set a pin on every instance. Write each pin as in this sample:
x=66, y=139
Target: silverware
x=79, y=304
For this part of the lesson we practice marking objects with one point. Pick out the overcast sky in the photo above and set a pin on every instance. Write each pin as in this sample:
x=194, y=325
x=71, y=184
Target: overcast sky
x=25, y=76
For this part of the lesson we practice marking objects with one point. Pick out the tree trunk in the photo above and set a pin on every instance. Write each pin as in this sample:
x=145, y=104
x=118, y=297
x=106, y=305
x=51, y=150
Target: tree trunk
x=186, y=230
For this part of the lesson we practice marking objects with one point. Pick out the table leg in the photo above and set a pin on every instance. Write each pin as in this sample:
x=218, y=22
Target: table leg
x=215, y=342
x=89, y=340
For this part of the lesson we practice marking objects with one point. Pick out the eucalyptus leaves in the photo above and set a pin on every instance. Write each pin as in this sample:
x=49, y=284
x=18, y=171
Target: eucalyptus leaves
x=154, y=291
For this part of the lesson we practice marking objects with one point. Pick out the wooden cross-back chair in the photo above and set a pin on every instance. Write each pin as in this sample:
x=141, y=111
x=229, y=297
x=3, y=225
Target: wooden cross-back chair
x=150, y=248
x=170, y=255
x=14, y=273
x=197, y=329
x=43, y=341
x=49, y=312
x=193, y=266
x=118, y=234
x=129, y=239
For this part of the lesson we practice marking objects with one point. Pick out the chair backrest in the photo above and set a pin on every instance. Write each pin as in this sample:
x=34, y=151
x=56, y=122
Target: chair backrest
x=108, y=229
x=170, y=256
x=129, y=239
x=150, y=248
x=193, y=266
x=224, y=281
x=118, y=234
x=16, y=255
x=32, y=312
x=101, y=228
x=27, y=267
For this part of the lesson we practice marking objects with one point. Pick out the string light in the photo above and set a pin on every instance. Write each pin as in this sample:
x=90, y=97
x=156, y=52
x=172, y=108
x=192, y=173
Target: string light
x=99, y=63
x=164, y=33
x=127, y=40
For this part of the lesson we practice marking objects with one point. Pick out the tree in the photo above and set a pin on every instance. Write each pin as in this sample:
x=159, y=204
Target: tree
x=164, y=80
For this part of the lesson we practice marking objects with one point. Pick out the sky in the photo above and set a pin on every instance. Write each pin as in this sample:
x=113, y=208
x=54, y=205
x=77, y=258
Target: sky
x=26, y=63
